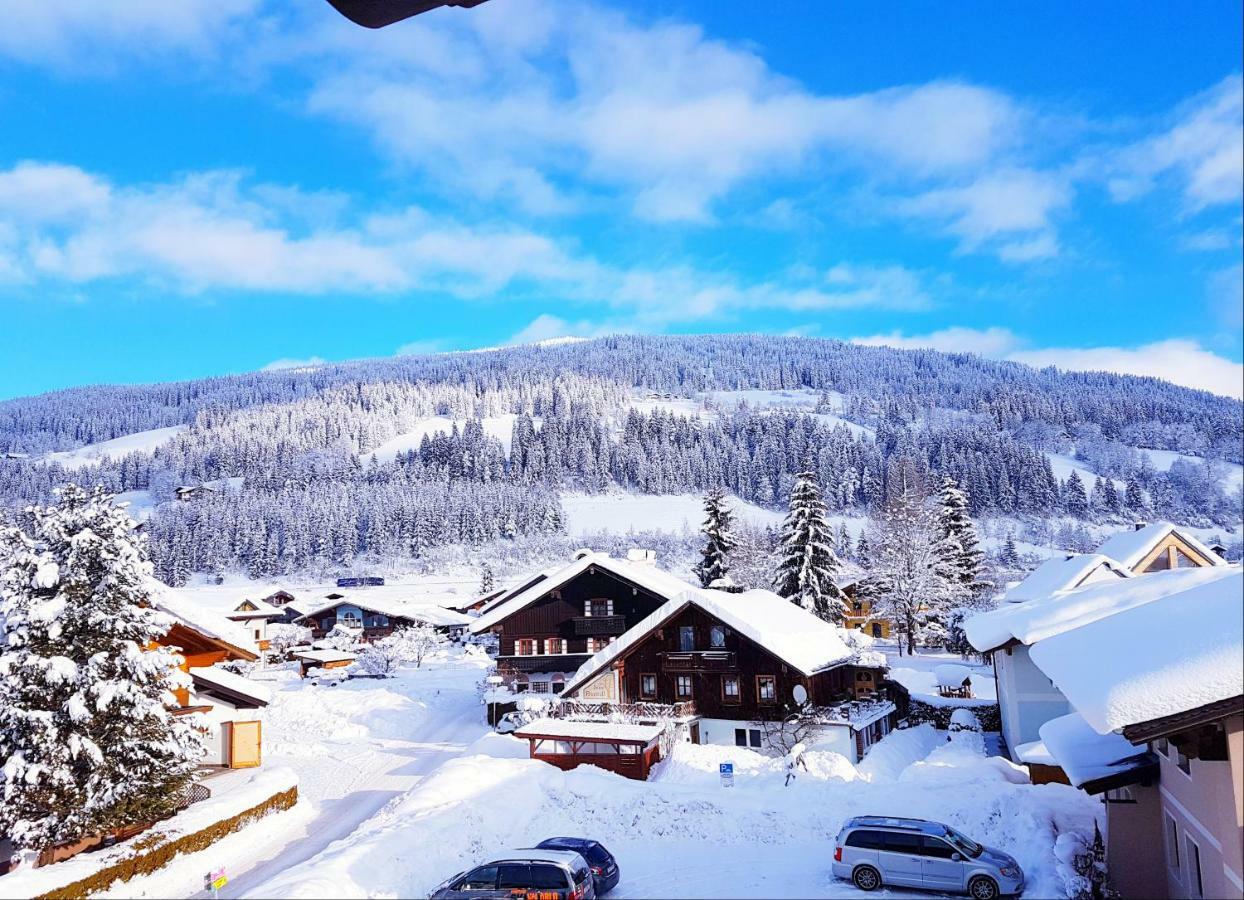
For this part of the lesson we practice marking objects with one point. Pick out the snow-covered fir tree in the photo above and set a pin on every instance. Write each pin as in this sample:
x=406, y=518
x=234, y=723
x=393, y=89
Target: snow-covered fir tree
x=719, y=541
x=807, y=565
x=956, y=528
x=87, y=739
x=487, y=581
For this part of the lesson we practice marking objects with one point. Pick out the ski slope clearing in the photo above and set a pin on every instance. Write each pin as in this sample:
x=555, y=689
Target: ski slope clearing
x=1233, y=473
x=682, y=834
x=91, y=454
x=1063, y=465
x=620, y=513
x=500, y=427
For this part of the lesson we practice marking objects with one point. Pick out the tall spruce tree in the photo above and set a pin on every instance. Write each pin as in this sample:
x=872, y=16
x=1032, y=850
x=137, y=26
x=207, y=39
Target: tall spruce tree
x=956, y=528
x=718, y=530
x=808, y=565
x=87, y=739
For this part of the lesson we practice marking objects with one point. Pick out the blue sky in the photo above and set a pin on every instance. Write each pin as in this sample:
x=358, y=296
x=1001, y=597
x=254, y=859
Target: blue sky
x=216, y=186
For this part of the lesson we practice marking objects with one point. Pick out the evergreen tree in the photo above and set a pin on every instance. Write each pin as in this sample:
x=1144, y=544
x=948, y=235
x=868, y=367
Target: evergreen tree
x=1075, y=500
x=87, y=743
x=1009, y=555
x=808, y=566
x=487, y=581
x=719, y=538
x=1134, y=497
x=958, y=531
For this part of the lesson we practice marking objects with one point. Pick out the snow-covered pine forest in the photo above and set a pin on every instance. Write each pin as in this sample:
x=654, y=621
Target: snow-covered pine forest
x=394, y=457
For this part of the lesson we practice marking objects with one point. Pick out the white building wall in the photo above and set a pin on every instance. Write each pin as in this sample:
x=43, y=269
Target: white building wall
x=221, y=711
x=1027, y=699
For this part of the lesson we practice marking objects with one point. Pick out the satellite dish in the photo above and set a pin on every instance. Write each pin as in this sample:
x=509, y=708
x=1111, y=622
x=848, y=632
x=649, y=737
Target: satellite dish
x=801, y=694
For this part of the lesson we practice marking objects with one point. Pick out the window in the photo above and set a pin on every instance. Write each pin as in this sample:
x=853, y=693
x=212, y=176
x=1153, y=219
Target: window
x=598, y=607
x=628, y=749
x=682, y=685
x=647, y=685
x=525, y=647
x=866, y=840
x=857, y=606
x=717, y=637
x=686, y=638
x=754, y=735
x=902, y=842
x=513, y=875
x=539, y=687
x=482, y=879
x=1162, y=745
x=863, y=676
x=559, y=684
x=730, y=688
x=1172, y=843
x=740, y=737
x=1194, y=868
x=876, y=629
x=766, y=689
x=548, y=878
x=937, y=848
x=553, y=646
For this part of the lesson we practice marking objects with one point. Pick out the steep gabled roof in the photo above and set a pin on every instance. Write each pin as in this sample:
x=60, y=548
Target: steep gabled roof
x=1064, y=573
x=1038, y=620
x=258, y=610
x=211, y=625
x=398, y=609
x=789, y=632
x=1131, y=547
x=235, y=688
x=649, y=577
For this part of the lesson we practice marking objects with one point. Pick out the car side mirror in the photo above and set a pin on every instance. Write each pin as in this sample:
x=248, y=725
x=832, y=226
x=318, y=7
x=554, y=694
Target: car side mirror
x=955, y=857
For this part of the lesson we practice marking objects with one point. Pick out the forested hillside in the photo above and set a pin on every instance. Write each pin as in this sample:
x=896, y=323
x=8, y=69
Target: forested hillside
x=391, y=457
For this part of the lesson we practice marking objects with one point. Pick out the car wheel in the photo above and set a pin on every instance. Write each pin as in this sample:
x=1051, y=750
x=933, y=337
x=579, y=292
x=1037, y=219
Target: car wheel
x=983, y=888
x=866, y=878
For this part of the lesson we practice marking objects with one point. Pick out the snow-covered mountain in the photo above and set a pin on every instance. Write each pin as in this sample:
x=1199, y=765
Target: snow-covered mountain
x=395, y=456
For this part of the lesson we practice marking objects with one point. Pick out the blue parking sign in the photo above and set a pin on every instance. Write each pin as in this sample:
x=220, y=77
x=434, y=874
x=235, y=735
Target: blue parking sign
x=727, y=774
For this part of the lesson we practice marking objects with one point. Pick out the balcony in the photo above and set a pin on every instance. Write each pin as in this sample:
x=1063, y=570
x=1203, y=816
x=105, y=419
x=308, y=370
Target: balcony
x=553, y=662
x=699, y=661
x=585, y=626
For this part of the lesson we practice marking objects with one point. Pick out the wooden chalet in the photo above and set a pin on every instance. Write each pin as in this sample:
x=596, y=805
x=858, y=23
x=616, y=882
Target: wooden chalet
x=1158, y=546
x=557, y=620
x=377, y=617
x=742, y=662
x=860, y=616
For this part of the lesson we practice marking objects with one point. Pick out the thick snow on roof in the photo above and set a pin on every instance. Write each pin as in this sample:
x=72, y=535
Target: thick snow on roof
x=201, y=619
x=389, y=606
x=1037, y=620
x=1062, y=573
x=952, y=675
x=617, y=731
x=1181, y=650
x=262, y=610
x=1086, y=755
x=1130, y=547
x=789, y=632
x=231, y=682
x=323, y=655
x=661, y=583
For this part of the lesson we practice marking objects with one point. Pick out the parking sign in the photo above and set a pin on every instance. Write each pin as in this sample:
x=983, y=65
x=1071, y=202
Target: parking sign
x=727, y=774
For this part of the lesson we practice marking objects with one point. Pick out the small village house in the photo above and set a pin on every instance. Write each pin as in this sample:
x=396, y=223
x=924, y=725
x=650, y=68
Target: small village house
x=1156, y=729
x=310, y=659
x=254, y=615
x=860, y=616
x=630, y=749
x=377, y=617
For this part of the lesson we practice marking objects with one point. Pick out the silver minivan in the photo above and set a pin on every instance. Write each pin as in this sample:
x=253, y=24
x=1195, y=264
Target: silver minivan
x=873, y=851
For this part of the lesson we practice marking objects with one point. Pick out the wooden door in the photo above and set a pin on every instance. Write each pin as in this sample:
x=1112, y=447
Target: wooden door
x=244, y=745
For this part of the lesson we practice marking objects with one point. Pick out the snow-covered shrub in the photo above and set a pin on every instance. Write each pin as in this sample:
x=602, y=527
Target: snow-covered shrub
x=416, y=643
x=341, y=637
x=1082, y=865
x=963, y=720
x=87, y=740
x=283, y=638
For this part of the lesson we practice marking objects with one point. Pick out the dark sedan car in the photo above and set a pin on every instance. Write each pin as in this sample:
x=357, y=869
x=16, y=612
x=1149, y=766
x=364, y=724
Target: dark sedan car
x=605, y=871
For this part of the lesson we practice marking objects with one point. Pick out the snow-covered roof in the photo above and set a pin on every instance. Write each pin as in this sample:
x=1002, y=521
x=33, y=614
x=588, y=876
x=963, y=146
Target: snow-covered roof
x=1087, y=755
x=1035, y=753
x=200, y=619
x=952, y=675
x=786, y=630
x=228, y=681
x=1064, y=572
x=1174, y=652
x=647, y=576
x=388, y=606
x=1131, y=547
x=1037, y=620
x=262, y=610
x=617, y=731
x=324, y=655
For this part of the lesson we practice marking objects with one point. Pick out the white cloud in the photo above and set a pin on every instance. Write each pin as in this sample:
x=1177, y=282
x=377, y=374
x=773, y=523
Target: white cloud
x=278, y=365
x=1203, y=150
x=546, y=327
x=1177, y=360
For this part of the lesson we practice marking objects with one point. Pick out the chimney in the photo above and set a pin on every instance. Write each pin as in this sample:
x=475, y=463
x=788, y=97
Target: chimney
x=1219, y=550
x=1141, y=526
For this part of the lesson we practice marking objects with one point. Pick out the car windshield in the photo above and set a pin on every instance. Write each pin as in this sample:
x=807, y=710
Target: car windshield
x=964, y=843
x=594, y=853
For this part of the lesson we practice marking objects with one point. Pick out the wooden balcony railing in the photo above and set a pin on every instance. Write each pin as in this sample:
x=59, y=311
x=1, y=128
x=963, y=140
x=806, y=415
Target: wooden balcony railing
x=567, y=662
x=589, y=710
x=699, y=661
x=596, y=625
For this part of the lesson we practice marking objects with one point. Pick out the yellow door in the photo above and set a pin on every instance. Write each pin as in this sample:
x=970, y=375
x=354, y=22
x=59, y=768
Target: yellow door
x=244, y=745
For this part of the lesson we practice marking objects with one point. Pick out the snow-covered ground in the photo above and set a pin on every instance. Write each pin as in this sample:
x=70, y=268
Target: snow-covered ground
x=1063, y=465
x=144, y=441
x=1233, y=473
x=916, y=673
x=682, y=834
x=500, y=427
x=620, y=513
